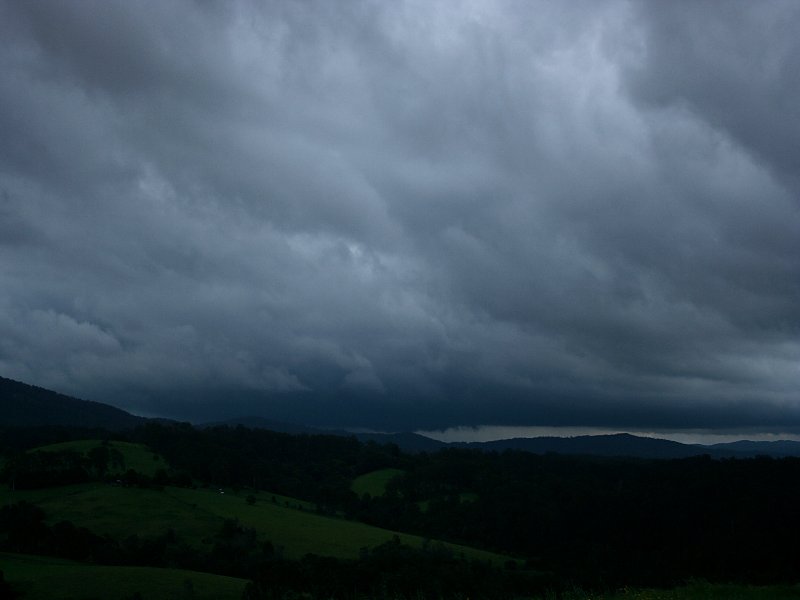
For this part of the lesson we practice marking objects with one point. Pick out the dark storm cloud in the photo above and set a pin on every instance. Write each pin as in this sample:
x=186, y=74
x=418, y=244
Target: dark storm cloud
x=409, y=214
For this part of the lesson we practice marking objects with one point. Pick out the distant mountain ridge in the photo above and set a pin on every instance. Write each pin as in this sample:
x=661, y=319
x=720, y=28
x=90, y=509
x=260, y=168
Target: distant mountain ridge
x=23, y=405
x=626, y=444
x=620, y=444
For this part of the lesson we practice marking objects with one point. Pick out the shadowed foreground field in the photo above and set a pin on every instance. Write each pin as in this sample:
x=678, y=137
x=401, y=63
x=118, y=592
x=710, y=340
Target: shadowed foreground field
x=44, y=578
x=700, y=591
x=41, y=578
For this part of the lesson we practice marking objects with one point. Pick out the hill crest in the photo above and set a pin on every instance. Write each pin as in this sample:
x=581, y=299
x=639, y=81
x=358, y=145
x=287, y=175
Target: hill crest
x=24, y=405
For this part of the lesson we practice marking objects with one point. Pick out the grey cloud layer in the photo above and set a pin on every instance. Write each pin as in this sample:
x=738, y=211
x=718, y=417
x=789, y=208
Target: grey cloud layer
x=410, y=214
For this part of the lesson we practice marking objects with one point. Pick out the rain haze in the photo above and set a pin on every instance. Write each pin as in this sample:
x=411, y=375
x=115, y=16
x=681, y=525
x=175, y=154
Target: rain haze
x=406, y=215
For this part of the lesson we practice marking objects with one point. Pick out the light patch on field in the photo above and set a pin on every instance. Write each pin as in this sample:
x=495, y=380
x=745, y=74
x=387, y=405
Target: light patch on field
x=375, y=482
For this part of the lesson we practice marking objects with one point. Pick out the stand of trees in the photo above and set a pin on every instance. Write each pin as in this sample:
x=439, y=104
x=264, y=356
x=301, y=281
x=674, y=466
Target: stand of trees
x=41, y=469
x=609, y=522
x=316, y=468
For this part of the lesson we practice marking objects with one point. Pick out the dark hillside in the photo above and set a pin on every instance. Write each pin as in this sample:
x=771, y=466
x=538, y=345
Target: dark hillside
x=407, y=442
x=23, y=405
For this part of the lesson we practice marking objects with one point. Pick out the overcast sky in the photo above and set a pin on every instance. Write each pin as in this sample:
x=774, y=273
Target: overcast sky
x=405, y=214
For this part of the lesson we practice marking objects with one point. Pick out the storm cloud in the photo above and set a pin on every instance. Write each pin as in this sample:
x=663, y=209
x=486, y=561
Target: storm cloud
x=410, y=214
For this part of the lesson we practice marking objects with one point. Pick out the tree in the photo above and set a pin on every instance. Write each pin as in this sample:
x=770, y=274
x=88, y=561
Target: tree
x=6, y=591
x=99, y=458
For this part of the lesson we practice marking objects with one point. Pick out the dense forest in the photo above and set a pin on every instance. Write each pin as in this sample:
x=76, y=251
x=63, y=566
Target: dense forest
x=598, y=523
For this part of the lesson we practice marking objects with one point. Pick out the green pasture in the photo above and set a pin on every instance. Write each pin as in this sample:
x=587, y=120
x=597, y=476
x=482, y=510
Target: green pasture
x=299, y=532
x=374, y=483
x=42, y=578
x=196, y=515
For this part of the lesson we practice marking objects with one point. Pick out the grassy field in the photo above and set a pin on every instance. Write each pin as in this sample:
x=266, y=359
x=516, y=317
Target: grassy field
x=374, y=483
x=196, y=515
x=42, y=578
x=700, y=591
x=137, y=456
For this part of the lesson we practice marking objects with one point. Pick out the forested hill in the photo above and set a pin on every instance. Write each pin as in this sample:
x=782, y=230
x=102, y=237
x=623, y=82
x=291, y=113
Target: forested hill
x=611, y=445
x=23, y=405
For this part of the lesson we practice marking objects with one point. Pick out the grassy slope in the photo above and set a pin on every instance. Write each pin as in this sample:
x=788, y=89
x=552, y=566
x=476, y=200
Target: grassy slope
x=374, y=483
x=301, y=532
x=137, y=456
x=54, y=579
x=196, y=515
